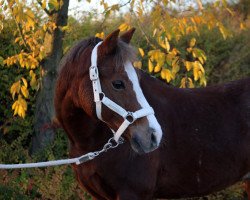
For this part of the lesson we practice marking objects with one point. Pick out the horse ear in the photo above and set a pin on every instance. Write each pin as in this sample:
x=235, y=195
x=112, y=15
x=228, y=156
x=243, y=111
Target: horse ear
x=110, y=42
x=126, y=37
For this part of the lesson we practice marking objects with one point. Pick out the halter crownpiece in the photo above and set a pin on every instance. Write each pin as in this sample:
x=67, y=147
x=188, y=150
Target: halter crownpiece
x=100, y=98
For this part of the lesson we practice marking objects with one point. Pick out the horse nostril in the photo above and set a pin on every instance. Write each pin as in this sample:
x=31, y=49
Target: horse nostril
x=153, y=139
x=153, y=136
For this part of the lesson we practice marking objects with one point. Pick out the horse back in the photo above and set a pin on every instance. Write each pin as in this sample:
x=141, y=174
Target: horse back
x=206, y=142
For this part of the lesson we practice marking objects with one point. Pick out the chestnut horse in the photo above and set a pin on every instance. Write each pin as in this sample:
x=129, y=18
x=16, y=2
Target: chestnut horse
x=205, y=141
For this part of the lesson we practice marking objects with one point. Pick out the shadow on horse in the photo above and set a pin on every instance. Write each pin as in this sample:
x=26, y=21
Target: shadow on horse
x=202, y=135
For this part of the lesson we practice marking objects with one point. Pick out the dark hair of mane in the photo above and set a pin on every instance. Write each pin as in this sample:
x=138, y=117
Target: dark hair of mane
x=123, y=52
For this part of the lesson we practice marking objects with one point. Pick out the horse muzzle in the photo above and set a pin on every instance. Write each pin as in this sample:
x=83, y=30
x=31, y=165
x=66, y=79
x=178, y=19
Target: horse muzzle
x=144, y=141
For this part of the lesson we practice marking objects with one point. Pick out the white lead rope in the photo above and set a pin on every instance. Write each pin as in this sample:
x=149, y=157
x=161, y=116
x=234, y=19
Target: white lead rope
x=111, y=144
x=77, y=161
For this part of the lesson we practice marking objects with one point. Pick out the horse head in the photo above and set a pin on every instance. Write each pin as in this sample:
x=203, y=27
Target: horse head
x=116, y=79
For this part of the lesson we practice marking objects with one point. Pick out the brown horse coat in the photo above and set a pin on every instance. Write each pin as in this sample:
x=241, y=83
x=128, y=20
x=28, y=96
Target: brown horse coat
x=205, y=145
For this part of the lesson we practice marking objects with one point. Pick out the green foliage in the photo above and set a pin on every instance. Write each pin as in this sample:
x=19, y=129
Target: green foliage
x=40, y=183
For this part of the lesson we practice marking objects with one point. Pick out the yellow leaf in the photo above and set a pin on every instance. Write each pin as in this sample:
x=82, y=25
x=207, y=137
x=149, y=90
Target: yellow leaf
x=33, y=81
x=21, y=112
x=175, y=51
x=22, y=102
x=157, y=68
x=100, y=35
x=192, y=42
x=169, y=75
x=25, y=82
x=183, y=83
x=190, y=83
x=44, y=4
x=201, y=60
x=163, y=75
x=164, y=43
x=188, y=65
x=154, y=32
x=138, y=64
x=203, y=81
x=17, y=39
x=19, y=107
x=16, y=109
x=175, y=66
x=64, y=28
x=141, y=52
x=242, y=26
x=14, y=105
x=186, y=82
x=198, y=70
x=124, y=27
x=195, y=72
x=24, y=91
x=150, y=66
x=15, y=88
x=153, y=54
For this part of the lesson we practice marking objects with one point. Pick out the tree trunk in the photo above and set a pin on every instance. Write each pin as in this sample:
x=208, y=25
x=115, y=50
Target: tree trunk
x=44, y=133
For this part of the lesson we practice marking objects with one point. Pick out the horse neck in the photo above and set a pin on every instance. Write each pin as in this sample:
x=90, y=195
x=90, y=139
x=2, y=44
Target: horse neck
x=85, y=133
x=158, y=95
x=155, y=91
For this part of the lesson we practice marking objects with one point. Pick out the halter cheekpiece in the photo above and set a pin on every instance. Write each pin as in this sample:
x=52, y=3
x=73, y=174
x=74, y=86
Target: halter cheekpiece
x=100, y=98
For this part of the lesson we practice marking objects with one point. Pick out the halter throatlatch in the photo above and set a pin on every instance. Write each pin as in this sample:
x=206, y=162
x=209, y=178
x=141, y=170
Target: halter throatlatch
x=100, y=98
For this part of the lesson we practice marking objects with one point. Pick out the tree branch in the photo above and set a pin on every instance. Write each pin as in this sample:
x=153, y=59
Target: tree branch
x=45, y=9
x=19, y=28
x=200, y=6
x=142, y=31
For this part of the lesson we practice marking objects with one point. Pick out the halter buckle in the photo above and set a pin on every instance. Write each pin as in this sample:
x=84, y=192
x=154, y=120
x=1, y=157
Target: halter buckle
x=93, y=73
x=130, y=117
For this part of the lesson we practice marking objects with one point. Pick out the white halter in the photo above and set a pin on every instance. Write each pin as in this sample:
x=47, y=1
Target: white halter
x=129, y=117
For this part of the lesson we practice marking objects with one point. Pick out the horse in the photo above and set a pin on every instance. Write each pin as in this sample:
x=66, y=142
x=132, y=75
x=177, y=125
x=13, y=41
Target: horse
x=197, y=141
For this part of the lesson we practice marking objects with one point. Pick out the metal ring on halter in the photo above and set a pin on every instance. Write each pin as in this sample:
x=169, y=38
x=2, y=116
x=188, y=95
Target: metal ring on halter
x=113, y=143
x=101, y=97
x=130, y=117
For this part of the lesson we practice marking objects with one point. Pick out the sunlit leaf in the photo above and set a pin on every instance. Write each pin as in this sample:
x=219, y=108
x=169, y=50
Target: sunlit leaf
x=163, y=74
x=157, y=68
x=189, y=65
x=164, y=43
x=192, y=42
x=141, y=52
x=124, y=27
x=150, y=66
x=186, y=83
x=25, y=82
x=20, y=107
x=15, y=88
x=169, y=75
x=137, y=64
x=25, y=91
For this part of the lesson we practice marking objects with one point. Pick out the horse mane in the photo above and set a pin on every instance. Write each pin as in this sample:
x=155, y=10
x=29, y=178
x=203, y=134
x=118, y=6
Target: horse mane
x=123, y=52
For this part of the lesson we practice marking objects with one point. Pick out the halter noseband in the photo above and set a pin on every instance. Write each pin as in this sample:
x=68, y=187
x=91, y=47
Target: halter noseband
x=99, y=98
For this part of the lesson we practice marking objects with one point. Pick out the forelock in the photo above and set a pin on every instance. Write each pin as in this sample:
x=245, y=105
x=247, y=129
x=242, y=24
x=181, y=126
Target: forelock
x=124, y=53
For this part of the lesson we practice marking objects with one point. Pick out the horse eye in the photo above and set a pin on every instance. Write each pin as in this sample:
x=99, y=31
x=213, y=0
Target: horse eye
x=118, y=85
